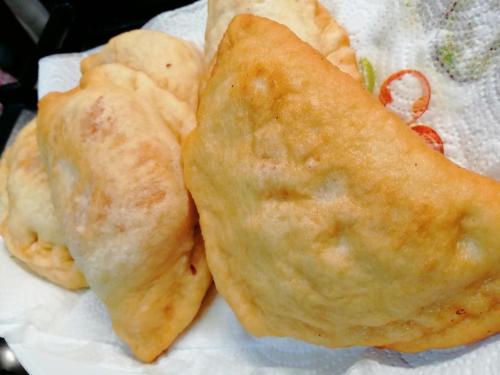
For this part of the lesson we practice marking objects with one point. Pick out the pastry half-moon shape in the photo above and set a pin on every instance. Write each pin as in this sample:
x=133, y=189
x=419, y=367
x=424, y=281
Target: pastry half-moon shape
x=172, y=63
x=28, y=225
x=116, y=180
x=306, y=18
x=325, y=217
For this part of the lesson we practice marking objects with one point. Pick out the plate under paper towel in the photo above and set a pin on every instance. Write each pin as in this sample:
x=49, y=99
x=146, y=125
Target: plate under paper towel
x=56, y=331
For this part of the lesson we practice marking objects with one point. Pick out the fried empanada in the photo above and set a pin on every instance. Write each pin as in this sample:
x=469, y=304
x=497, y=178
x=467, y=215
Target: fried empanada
x=116, y=180
x=177, y=115
x=325, y=217
x=172, y=63
x=307, y=18
x=28, y=223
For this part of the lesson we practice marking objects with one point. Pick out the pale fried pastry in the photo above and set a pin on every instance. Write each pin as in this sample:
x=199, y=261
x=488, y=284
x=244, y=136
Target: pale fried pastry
x=325, y=217
x=306, y=18
x=29, y=226
x=177, y=115
x=172, y=63
x=116, y=180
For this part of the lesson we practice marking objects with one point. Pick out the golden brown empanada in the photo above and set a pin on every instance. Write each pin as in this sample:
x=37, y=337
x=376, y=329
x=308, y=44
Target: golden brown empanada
x=172, y=63
x=307, y=18
x=325, y=217
x=117, y=186
x=28, y=223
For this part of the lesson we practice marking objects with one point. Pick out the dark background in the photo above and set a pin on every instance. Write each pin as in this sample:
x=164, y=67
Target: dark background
x=73, y=26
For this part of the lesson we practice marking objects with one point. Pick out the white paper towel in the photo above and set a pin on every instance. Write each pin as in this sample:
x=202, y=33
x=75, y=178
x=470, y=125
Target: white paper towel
x=57, y=331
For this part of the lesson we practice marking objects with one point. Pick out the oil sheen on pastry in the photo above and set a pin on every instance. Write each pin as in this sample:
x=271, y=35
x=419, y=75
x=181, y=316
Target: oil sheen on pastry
x=116, y=181
x=172, y=63
x=28, y=223
x=325, y=217
x=306, y=18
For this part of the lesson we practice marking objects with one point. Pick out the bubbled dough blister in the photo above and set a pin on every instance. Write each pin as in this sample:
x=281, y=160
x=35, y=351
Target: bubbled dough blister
x=390, y=34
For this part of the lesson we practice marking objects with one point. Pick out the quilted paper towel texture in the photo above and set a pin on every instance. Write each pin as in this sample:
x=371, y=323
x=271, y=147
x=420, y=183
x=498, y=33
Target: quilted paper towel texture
x=454, y=43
